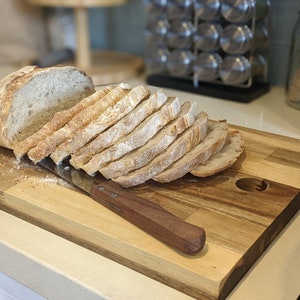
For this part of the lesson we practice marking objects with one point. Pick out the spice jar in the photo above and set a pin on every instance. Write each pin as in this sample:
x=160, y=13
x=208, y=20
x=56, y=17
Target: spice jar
x=180, y=34
x=293, y=76
x=155, y=8
x=207, y=36
x=180, y=9
x=206, y=66
x=237, y=11
x=156, y=32
x=156, y=59
x=207, y=10
x=180, y=62
x=236, y=39
x=235, y=70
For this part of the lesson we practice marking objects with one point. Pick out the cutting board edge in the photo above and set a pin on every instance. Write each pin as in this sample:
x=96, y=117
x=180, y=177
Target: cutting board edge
x=184, y=287
x=273, y=231
x=262, y=132
x=225, y=285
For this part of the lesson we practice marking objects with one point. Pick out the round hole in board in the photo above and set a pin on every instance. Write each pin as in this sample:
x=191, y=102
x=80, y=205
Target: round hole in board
x=252, y=184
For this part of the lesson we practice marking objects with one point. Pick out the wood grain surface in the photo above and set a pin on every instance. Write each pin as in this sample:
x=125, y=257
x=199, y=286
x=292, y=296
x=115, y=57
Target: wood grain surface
x=242, y=210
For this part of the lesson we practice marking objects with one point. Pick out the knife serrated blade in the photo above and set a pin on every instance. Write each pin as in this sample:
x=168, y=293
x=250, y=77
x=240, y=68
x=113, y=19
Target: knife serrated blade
x=147, y=215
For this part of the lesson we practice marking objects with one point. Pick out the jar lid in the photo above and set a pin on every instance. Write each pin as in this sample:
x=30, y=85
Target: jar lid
x=236, y=39
x=237, y=10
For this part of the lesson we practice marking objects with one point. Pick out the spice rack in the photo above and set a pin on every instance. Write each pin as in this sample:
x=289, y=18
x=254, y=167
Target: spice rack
x=216, y=48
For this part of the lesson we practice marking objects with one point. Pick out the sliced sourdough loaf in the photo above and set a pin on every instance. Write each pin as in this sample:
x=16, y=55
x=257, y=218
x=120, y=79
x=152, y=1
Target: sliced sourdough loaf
x=59, y=120
x=143, y=155
x=223, y=159
x=186, y=141
x=141, y=134
x=104, y=120
x=119, y=130
x=31, y=96
x=49, y=144
x=213, y=142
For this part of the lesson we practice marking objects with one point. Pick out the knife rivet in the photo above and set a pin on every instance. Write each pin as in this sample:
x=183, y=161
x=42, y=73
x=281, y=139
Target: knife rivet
x=114, y=195
x=101, y=188
x=67, y=168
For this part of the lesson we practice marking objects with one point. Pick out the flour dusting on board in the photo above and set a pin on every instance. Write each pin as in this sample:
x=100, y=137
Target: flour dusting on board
x=51, y=180
x=22, y=170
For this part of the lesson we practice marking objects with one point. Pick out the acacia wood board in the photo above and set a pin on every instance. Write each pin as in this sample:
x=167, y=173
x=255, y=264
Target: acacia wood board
x=242, y=210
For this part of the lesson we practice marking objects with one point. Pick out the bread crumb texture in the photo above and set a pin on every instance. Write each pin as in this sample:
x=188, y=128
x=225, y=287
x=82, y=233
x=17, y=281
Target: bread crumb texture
x=30, y=97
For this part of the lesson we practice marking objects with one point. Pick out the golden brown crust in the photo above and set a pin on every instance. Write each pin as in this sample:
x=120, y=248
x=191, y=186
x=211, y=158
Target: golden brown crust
x=213, y=142
x=82, y=119
x=182, y=145
x=104, y=120
x=141, y=134
x=160, y=142
x=200, y=149
x=223, y=159
x=119, y=130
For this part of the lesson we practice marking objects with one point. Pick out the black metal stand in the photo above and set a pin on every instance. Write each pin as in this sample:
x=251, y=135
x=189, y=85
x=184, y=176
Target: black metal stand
x=238, y=94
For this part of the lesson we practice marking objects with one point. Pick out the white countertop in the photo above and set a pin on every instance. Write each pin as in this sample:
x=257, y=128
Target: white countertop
x=267, y=113
x=59, y=269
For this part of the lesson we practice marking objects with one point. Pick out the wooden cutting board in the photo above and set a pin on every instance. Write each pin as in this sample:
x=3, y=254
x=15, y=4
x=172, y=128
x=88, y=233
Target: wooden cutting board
x=242, y=210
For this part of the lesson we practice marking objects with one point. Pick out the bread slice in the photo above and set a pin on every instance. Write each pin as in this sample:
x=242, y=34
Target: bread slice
x=213, y=142
x=59, y=120
x=143, y=155
x=109, y=117
x=223, y=159
x=119, y=130
x=141, y=134
x=49, y=144
x=31, y=96
x=183, y=144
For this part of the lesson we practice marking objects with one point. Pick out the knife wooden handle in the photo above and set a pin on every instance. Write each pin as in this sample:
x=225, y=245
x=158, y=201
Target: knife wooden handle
x=150, y=217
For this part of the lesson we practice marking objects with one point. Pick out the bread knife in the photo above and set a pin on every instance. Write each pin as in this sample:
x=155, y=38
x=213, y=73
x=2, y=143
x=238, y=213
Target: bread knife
x=147, y=215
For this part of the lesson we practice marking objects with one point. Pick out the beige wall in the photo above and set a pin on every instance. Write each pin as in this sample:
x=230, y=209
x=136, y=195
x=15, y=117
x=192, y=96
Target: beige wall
x=22, y=31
